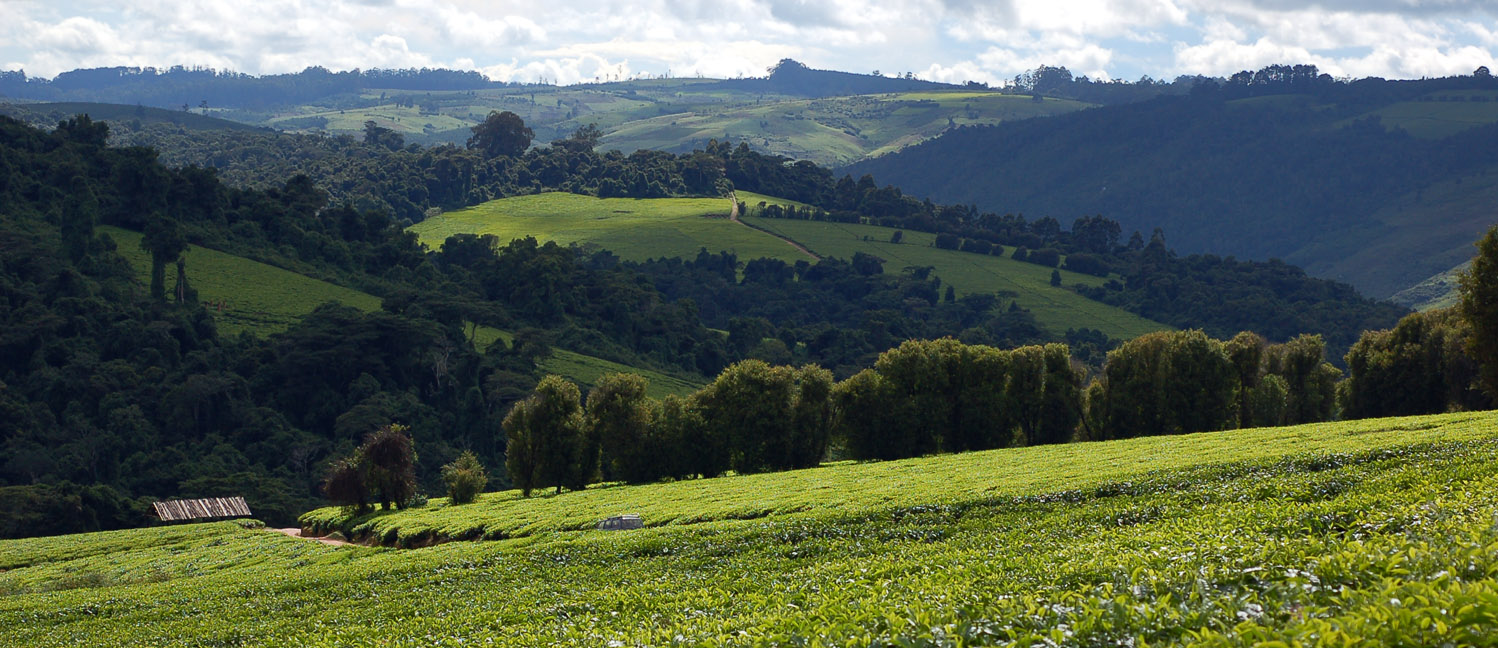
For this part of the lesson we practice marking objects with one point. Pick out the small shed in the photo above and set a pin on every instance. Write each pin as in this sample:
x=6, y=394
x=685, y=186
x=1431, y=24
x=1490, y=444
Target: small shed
x=621, y=523
x=198, y=509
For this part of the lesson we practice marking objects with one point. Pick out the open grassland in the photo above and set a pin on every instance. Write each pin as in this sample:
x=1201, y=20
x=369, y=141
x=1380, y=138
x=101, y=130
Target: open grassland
x=257, y=298
x=262, y=299
x=1446, y=113
x=1369, y=533
x=633, y=228
x=678, y=115
x=586, y=370
x=831, y=131
x=1430, y=230
x=1056, y=308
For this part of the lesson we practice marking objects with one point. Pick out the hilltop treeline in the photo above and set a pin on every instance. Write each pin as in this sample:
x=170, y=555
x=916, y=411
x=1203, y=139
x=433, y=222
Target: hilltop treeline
x=922, y=397
x=381, y=172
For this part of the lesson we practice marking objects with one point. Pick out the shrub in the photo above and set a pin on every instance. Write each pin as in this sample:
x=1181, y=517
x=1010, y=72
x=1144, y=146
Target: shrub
x=465, y=478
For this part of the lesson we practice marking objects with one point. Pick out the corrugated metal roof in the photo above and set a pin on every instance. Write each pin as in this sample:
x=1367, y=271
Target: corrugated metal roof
x=195, y=509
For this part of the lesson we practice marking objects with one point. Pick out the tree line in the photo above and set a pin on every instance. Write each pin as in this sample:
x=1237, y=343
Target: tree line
x=922, y=397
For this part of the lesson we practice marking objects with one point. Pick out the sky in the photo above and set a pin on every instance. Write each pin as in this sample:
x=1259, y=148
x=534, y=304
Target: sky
x=572, y=41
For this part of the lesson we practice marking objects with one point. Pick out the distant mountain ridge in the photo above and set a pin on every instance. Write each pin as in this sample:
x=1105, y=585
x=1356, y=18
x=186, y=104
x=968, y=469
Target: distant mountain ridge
x=1371, y=182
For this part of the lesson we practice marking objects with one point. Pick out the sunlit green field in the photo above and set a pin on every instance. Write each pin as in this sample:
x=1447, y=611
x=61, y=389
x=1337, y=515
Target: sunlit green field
x=256, y=297
x=1366, y=533
x=639, y=229
x=1056, y=308
x=633, y=228
x=262, y=299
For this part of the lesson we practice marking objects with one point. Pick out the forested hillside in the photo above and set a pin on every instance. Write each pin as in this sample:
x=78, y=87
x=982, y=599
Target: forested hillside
x=382, y=173
x=120, y=390
x=1376, y=183
x=117, y=390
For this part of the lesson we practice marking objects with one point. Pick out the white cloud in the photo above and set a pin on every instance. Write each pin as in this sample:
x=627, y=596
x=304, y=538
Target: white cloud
x=949, y=40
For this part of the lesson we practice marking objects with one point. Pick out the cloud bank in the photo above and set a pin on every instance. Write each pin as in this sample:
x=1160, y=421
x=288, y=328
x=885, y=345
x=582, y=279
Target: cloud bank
x=588, y=40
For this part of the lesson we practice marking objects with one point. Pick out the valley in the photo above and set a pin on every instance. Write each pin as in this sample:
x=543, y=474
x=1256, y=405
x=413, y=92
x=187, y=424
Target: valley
x=814, y=358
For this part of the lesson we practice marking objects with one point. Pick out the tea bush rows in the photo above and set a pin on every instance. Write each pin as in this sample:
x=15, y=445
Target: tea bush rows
x=1372, y=543
x=857, y=487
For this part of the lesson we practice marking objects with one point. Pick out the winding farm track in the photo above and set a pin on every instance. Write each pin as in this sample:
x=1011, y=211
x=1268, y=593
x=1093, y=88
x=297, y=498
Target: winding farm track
x=733, y=215
x=297, y=533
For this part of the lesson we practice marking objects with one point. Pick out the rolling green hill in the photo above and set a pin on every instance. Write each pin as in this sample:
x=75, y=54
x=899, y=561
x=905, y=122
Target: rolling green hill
x=640, y=229
x=48, y=114
x=245, y=296
x=1376, y=191
x=1376, y=532
x=1439, y=291
x=666, y=114
x=262, y=299
x=1055, y=308
x=633, y=228
x=832, y=131
x=1439, y=114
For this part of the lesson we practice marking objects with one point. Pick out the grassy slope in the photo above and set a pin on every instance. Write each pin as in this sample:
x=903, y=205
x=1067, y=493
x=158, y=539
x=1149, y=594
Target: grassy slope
x=640, y=229
x=1436, y=119
x=832, y=131
x=48, y=114
x=1057, y=309
x=258, y=298
x=1427, y=232
x=262, y=299
x=1243, y=537
x=633, y=228
x=682, y=114
x=1439, y=291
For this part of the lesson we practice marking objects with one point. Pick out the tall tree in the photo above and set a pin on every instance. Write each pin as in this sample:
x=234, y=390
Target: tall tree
x=811, y=417
x=1062, y=399
x=520, y=447
x=1421, y=366
x=869, y=419
x=392, y=464
x=78, y=222
x=556, y=429
x=1246, y=352
x=750, y=402
x=501, y=133
x=1479, y=291
x=619, y=417
x=165, y=242
x=1311, y=380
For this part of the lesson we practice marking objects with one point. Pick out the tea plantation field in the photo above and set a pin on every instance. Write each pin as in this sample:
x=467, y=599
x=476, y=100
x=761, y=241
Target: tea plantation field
x=1365, y=533
x=262, y=299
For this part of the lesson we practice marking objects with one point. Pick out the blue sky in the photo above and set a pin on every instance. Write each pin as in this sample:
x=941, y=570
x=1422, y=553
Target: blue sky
x=562, y=41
